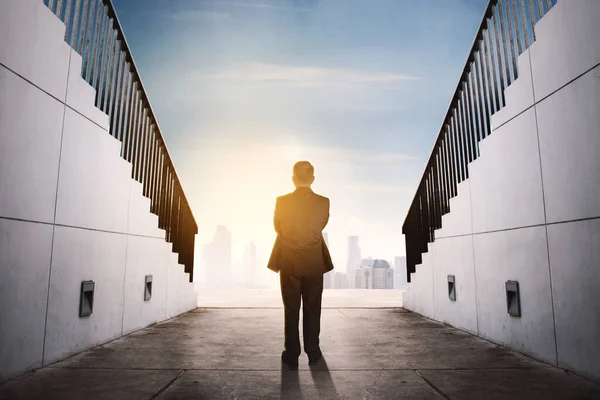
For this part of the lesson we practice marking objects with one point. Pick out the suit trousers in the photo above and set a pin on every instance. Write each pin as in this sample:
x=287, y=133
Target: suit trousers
x=309, y=289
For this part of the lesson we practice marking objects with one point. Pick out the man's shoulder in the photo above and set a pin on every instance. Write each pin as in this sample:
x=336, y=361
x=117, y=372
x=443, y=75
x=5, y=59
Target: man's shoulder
x=285, y=196
x=290, y=196
x=323, y=199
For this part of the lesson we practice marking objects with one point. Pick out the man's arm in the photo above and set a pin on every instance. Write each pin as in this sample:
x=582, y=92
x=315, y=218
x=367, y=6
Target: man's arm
x=276, y=220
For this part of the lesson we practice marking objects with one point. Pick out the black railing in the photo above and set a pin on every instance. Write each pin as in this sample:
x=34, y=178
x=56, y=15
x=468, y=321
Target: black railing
x=94, y=31
x=505, y=32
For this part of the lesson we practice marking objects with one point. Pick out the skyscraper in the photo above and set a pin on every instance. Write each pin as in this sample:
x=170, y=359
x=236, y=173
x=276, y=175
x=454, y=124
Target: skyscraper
x=400, y=272
x=340, y=280
x=250, y=269
x=363, y=278
x=353, y=259
x=374, y=274
x=217, y=258
x=207, y=251
x=328, y=278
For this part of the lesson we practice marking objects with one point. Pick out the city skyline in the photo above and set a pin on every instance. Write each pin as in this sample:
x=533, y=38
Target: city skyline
x=337, y=244
x=248, y=270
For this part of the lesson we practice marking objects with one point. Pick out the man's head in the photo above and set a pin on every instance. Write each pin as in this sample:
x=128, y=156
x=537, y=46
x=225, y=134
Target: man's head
x=304, y=174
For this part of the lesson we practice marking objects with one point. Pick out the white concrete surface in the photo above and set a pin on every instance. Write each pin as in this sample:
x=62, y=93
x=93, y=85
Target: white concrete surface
x=519, y=95
x=30, y=149
x=94, y=182
x=519, y=255
x=458, y=221
x=173, y=293
x=506, y=181
x=181, y=295
x=454, y=256
x=36, y=49
x=141, y=221
x=574, y=262
x=421, y=297
x=25, y=250
x=566, y=45
x=73, y=190
x=81, y=96
x=145, y=256
x=569, y=125
x=80, y=255
x=190, y=297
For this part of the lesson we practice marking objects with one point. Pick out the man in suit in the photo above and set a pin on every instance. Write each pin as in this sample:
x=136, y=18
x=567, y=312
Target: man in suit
x=301, y=257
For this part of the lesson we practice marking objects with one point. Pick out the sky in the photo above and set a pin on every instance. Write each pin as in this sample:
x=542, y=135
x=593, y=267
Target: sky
x=242, y=89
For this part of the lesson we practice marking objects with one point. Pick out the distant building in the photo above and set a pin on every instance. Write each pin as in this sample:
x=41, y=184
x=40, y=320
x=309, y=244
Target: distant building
x=340, y=281
x=363, y=278
x=328, y=278
x=206, y=261
x=353, y=259
x=383, y=278
x=400, y=272
x=374, y=274
x=216, y=257
x=249, y=266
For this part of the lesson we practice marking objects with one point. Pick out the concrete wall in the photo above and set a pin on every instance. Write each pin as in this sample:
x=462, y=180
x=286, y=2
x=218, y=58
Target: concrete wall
x=69, y=210
x=530, y=210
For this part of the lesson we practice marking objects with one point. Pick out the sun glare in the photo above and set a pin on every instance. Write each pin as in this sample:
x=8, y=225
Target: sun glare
x=291, y=152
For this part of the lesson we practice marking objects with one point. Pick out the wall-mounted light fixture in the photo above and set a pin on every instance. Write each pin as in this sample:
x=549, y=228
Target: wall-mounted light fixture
x=451, y=288
x=513, y=298
x=86, y=298
x=148, y=287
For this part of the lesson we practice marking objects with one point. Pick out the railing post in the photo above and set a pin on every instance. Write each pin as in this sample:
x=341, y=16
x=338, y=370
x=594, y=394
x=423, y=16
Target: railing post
x=505, y=31
x=93, y=30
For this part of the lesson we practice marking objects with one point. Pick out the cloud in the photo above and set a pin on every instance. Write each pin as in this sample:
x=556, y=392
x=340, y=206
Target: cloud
x=360, y=157
x=197, y=15
x=312, y=77
x=379, y=188
x=288, y=152
x=262, y=6
x=382, y=158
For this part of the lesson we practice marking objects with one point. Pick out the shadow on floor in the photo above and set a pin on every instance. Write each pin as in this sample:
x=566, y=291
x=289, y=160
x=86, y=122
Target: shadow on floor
x=383, y=354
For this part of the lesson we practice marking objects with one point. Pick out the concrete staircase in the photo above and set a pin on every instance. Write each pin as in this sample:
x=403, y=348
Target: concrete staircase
x=69, y=210
x=530, y=211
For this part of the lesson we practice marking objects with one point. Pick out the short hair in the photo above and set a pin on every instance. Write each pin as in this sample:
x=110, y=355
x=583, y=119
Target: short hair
x=304, y=171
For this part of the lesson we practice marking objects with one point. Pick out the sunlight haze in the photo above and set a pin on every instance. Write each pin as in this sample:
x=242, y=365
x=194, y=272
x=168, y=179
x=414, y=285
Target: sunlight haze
x=244, y=89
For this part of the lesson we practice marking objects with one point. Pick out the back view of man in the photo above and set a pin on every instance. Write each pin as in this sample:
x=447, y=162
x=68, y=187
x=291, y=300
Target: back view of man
x=301, y=257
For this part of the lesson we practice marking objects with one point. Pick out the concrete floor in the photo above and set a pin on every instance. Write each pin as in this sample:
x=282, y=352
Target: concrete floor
x=235, y=354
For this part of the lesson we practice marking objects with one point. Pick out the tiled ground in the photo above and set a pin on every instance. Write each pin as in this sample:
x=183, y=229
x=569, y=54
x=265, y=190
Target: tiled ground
x=235, y=354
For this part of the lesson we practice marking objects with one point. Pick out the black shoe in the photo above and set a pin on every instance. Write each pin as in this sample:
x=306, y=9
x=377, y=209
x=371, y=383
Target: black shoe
x=314, y=359
x=291, y=362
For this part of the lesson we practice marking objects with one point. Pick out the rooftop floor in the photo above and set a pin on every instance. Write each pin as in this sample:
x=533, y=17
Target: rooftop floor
x=235, y=354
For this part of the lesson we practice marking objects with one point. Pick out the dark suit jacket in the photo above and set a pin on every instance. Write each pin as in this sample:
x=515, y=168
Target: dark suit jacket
x=299, y=220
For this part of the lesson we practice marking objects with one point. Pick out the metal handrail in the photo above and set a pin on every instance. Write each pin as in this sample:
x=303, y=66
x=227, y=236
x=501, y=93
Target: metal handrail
x=94, y=31
x=506, y=30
